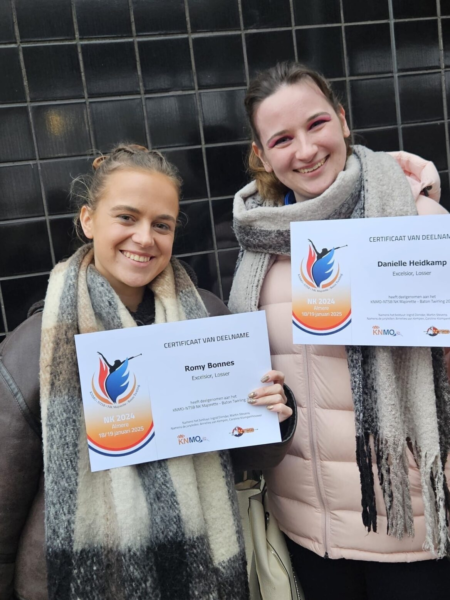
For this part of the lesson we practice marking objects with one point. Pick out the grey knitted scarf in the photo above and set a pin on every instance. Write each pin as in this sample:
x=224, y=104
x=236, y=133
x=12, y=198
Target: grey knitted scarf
x=401, y=396
x=163, y=530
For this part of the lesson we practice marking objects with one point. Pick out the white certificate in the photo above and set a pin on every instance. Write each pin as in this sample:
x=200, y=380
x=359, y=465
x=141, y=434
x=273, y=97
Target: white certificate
x=161, y=391
x=372, y=282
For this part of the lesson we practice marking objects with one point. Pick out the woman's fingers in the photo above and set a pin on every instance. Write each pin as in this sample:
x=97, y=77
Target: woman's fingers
x=273, y=402
x=277, y=379
x=272, y=396
x=284, y=412
x=275, y=376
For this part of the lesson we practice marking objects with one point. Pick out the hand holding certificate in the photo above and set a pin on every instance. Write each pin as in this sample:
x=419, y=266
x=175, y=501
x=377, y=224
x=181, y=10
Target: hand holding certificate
x=372, y=282
x=177, y=388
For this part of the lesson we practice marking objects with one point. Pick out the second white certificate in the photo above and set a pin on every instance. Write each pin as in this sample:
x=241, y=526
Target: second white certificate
x=373, y=282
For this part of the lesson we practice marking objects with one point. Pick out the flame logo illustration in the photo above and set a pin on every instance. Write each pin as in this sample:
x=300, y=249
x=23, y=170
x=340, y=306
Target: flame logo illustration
x=320, y=268
x=434, y=331
x=238, y=431
x=113, y=381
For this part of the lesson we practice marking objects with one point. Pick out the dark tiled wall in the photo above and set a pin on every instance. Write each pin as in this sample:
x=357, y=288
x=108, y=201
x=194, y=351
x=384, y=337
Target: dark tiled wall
x=171, y=74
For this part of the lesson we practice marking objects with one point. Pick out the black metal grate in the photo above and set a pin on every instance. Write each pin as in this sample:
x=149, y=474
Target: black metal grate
x=79, y=75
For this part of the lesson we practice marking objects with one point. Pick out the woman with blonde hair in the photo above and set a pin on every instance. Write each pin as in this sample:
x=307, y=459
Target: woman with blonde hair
x=166, y=529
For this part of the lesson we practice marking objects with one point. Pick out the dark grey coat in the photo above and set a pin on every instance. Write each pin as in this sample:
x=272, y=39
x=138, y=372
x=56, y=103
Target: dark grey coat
x=22, y=536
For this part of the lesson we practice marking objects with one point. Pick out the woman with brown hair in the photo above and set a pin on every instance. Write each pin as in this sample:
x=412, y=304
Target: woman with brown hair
x=351, y=533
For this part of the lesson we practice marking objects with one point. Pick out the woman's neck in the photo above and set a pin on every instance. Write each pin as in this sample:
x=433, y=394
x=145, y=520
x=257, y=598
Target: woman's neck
x=131, y=298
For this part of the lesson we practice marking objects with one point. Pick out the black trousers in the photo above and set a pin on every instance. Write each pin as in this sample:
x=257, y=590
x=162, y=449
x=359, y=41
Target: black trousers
x=326, y=579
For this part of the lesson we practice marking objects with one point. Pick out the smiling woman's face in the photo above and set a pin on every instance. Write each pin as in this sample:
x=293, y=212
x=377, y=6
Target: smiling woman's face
x=303, y=139
x=133, y=228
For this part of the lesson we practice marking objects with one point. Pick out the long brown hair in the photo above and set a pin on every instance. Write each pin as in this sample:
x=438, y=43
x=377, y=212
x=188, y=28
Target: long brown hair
x=265, y=84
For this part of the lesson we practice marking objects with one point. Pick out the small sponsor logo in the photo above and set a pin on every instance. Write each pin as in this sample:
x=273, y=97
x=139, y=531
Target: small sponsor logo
x=377, y=330
x=238, y=431
x=434, y=331
x=191, y=439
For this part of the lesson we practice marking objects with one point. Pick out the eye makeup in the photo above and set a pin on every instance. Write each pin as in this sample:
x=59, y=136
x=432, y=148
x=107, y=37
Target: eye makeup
x=279, y=140
x=324, y=119
x=313, y=122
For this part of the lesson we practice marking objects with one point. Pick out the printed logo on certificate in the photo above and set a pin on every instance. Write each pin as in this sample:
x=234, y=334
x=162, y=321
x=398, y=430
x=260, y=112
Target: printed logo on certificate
x=118, y=413
x=322, y=300
x=129, y=425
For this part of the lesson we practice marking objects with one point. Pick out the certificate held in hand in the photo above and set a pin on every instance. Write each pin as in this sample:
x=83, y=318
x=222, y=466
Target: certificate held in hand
x=372, y=282
x=161, y=391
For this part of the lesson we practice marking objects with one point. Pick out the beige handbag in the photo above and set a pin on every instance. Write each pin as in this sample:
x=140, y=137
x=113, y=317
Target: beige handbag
x=270, y=572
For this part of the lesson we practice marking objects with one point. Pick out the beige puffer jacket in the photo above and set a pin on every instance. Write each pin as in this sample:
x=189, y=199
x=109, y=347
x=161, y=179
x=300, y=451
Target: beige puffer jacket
x=315, y=491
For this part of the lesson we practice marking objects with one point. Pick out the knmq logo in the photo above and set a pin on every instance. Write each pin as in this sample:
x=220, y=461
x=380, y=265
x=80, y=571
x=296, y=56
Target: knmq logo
x=376, y=330
x=182, y=439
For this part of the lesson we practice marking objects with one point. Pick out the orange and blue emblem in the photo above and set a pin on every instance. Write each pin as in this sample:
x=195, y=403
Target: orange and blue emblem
x=113, y=381
x=321, y=271
x=121, y=433
x=322, y=304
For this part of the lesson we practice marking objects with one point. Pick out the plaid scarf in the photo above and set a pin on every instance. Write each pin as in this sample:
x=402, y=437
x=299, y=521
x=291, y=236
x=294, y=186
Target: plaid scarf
x=401, y=396
x=163, y=530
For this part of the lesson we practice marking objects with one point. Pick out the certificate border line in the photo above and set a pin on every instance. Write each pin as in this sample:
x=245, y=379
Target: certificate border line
x=327, y=333
x=124, y=453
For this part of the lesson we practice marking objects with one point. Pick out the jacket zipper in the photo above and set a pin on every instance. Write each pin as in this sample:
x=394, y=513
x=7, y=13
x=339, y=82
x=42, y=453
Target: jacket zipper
x=297, y=590
x=314, y=453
